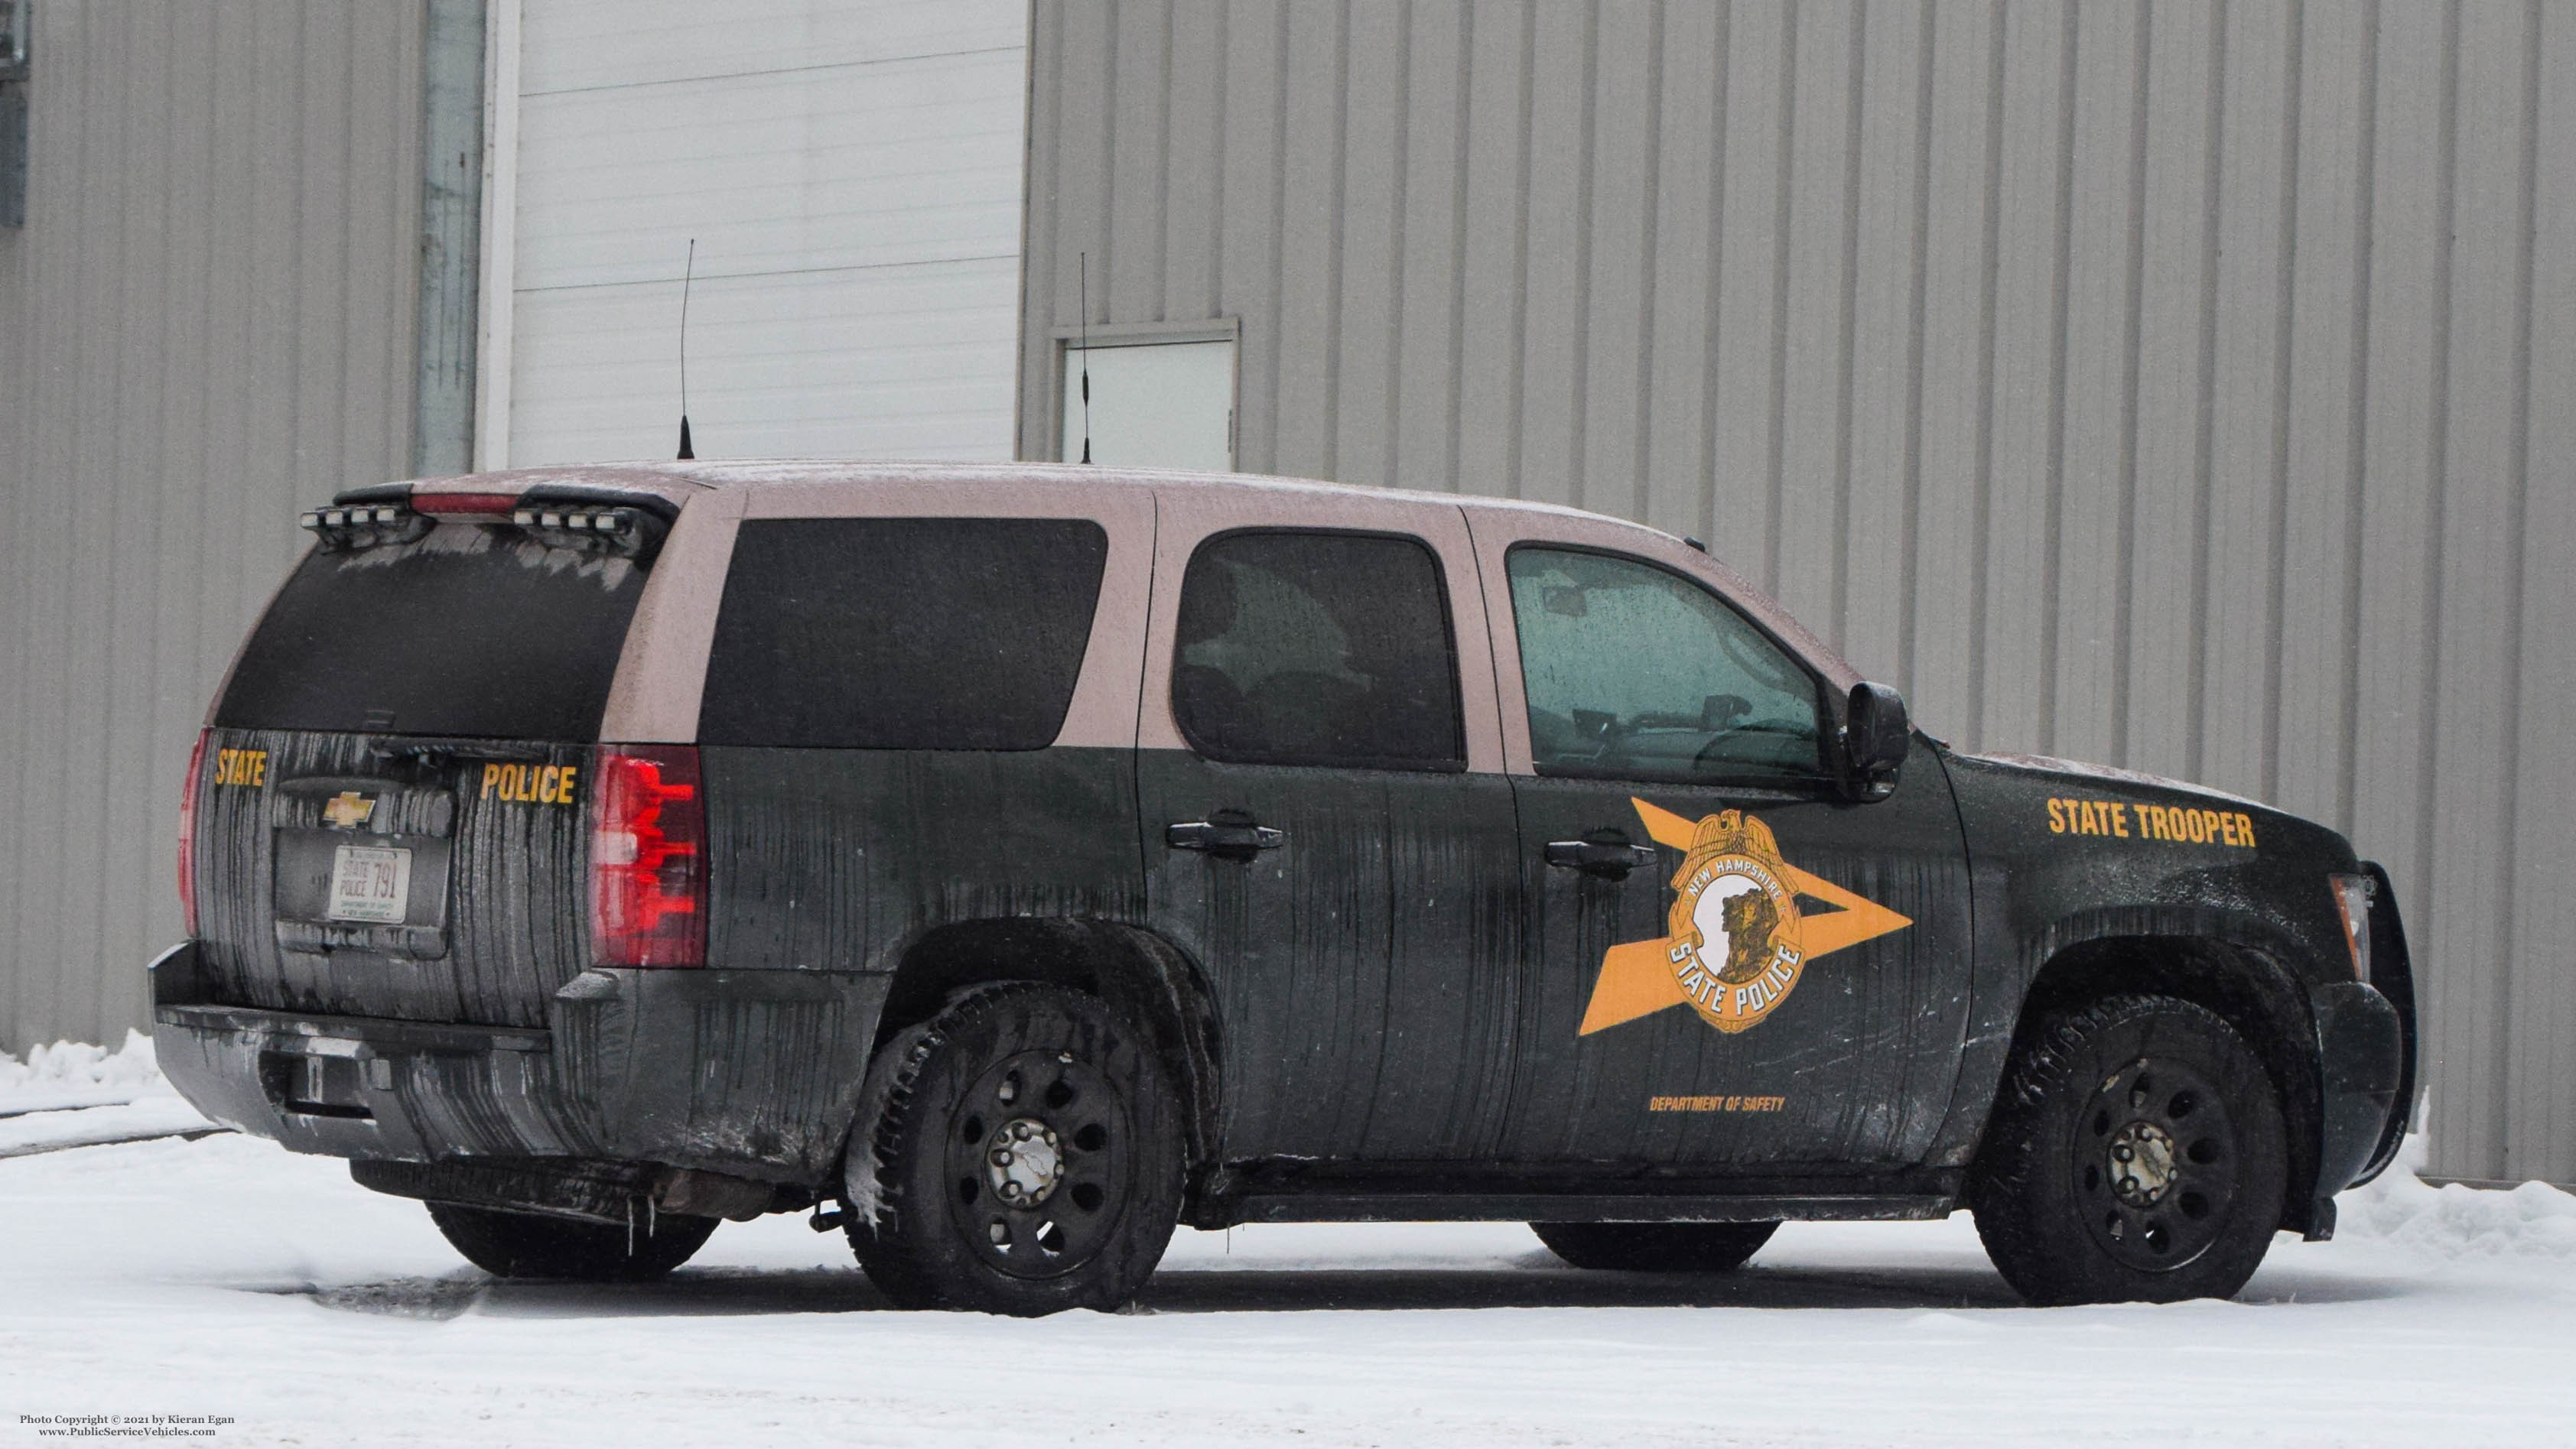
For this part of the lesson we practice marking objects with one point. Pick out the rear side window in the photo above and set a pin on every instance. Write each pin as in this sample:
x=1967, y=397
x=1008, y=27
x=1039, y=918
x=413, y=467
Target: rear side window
x=1317, y=649
x=473, y=629
x=902, y=633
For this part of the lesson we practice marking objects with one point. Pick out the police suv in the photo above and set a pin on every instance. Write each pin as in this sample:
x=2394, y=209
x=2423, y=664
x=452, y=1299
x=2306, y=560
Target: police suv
x=1008, y=863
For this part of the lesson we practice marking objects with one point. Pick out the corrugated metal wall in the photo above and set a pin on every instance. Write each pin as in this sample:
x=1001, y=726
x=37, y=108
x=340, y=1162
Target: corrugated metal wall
x=2188, y=385
x=205, y=324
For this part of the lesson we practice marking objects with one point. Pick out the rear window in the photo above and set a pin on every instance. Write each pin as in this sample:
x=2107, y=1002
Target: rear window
x=902, y=633
x=473, y=629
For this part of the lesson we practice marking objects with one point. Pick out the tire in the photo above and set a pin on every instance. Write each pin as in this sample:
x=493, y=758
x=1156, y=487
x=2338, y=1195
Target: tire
x=1656, y=1247
x=2136, y=1154
x=1020, y=1153
x=528, y=1245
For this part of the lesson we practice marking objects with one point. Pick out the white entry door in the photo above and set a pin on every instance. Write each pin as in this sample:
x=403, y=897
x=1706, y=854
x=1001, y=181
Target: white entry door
x=1153, y=404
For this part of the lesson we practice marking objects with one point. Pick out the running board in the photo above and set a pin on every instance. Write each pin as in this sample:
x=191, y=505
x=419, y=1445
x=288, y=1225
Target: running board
x=1556, y=1207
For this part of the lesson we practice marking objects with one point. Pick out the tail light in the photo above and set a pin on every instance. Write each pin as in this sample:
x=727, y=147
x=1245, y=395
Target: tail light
x=466, y=505
x=188, y=836
x=648, y=867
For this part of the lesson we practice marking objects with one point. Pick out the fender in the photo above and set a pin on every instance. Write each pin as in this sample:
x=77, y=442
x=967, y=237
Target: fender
x=1133, y=969
x=2086, y=880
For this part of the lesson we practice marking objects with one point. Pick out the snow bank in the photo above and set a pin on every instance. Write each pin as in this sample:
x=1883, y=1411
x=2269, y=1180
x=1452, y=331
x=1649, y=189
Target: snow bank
x=76, y=1074
x=2457, y=1222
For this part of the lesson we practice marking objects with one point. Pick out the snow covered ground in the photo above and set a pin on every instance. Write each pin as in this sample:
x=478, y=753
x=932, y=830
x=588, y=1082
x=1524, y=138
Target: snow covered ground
x=223, y=1277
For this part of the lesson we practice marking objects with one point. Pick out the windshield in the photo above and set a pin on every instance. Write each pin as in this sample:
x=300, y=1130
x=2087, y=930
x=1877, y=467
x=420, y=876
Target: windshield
x=473, y=629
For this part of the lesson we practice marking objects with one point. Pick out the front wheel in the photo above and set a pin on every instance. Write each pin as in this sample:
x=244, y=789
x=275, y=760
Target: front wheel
x=1019, y=1153
x=1656, y=1247
x=530, y=1245
x=2136, y=1153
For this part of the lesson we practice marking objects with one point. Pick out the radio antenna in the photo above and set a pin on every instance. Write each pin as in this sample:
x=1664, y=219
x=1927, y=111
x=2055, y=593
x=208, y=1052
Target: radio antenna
x=687, y=276
x=1085, y=275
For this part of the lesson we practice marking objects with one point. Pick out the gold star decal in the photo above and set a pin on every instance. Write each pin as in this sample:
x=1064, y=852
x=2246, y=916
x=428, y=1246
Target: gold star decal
x=1639, y=978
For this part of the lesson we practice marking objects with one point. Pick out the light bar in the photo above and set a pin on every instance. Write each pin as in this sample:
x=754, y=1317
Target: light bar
x=339, y=527
x=607, y=520
x=350, y=528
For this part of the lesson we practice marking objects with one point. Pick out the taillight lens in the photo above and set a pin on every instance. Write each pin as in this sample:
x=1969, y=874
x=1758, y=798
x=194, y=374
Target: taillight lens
x=446, y=505
x=188, y=836
x=2352, y=895
x=648, y=868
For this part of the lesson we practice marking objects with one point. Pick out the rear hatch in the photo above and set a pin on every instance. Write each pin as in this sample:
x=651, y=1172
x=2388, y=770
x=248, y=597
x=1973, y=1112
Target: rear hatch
x=389, y=807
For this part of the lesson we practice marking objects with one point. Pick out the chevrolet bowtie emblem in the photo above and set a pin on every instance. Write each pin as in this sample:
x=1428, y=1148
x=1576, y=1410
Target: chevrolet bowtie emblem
x=348, y=809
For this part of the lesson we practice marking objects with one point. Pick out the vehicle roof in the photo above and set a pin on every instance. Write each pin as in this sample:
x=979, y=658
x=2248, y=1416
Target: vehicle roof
x=678, y=480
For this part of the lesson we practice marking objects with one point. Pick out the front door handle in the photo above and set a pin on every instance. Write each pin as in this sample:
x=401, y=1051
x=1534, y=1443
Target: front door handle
x=1611, y=859
x=1227, y=835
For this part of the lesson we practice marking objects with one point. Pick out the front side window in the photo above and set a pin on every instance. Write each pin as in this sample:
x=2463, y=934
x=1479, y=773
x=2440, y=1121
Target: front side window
x=1633, y=672
x=1317, y=649
x=902, y=633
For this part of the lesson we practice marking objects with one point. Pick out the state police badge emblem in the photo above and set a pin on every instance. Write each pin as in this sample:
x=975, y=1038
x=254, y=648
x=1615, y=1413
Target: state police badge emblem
x=1738, y=941
x=1735, y=949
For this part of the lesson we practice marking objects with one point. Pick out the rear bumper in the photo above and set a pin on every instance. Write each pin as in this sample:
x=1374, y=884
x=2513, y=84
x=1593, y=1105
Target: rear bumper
x=747, y=1073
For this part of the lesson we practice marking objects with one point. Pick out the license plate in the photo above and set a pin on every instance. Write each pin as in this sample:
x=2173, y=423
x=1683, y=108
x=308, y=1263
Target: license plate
x=370, y=883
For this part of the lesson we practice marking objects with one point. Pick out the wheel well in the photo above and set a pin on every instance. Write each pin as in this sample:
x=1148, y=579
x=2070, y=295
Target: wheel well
x=1136, y=973
x=2245, y=988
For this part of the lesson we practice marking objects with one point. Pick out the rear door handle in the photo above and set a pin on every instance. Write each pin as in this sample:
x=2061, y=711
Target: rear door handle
x=1227, y=835
x=1612, y=859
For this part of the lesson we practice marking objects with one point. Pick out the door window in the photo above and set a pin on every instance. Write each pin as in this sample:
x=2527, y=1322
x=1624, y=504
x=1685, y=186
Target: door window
x=1633, y=672
x=1313, y=648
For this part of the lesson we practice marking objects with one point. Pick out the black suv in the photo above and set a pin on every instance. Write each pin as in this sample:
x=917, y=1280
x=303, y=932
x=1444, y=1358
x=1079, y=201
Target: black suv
x=1007, y=863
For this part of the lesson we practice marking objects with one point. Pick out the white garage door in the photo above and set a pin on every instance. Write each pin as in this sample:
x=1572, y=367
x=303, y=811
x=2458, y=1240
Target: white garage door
x=852, y=174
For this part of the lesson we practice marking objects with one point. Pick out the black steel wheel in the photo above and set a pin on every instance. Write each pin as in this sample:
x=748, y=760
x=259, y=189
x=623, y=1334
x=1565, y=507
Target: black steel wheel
x=1020, y=1153
x=2137, y=1153
x=1656, y=1247
x=531, y=1245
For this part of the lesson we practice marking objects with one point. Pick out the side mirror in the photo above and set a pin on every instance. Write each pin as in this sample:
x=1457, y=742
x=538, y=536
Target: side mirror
x=1876, y=736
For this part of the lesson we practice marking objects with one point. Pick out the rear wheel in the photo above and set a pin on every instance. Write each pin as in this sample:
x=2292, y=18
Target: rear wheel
x=529, y=1245
x=2136, y=1154
x=1656, y=1247
x=1021, y=1154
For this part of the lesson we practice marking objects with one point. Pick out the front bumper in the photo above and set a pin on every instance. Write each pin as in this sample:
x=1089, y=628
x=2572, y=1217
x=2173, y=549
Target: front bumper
x=2367, y=1035
x=2361, y=1059
x=751, y=1074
